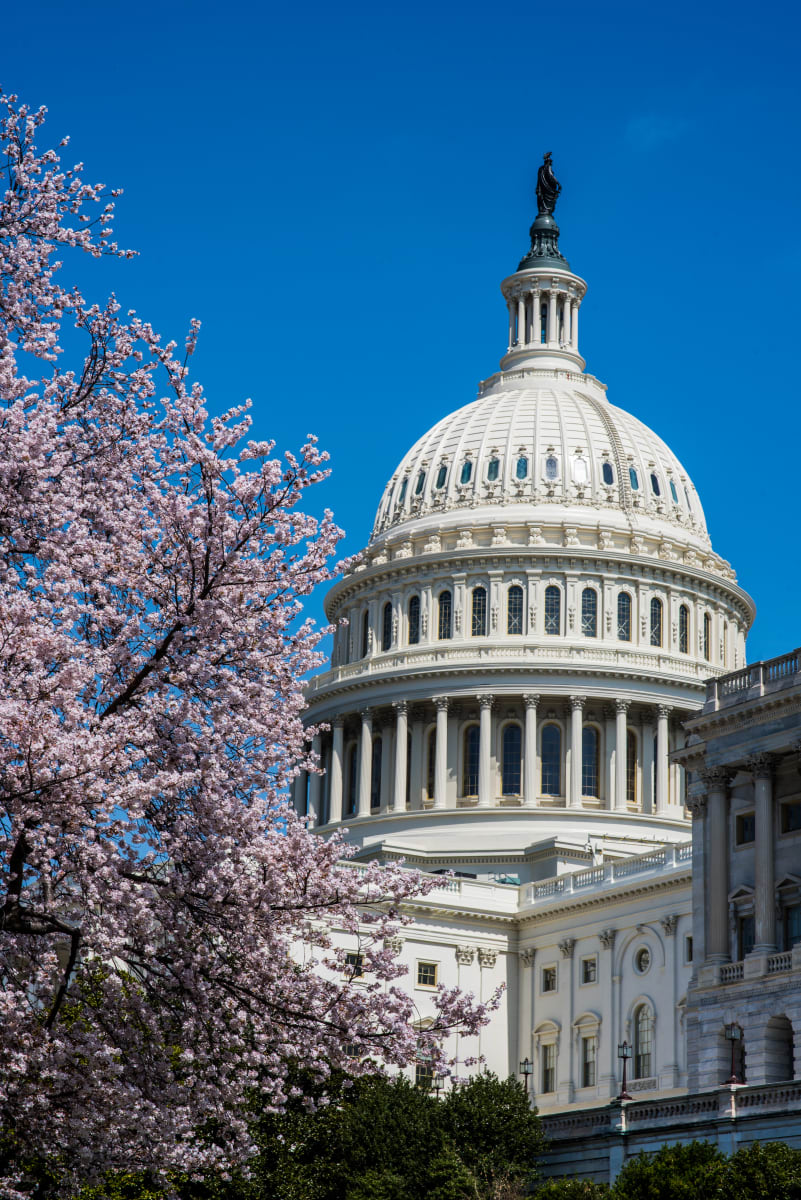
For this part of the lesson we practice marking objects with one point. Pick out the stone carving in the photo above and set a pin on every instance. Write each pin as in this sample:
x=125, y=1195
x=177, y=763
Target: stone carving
x=395, y=944
x=669, y=925
x=548, y=186
x=761, y=766
x=527, y=957
x=636, y=545
x=531, y=701
x=604, y=540
x=567, y=946
x=433, y=545
x=535, y=537
x=697, y=806
x=715, y=779
x=424, y=622
x=486, y=958
x=404, y=550
x=571, y=536
x=494, y=616
x=532, y=613
x=465, y=955
x=465, y=540
x=457, y=620
x=441, y=703
x=485, y=701
x=499, y=535
x=607, y=937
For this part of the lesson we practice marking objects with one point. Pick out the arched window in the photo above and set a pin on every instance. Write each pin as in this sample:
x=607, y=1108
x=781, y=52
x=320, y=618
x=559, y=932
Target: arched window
x=589, y=761
x=634, y=480
x=684, y=629
x=631, y=768
x=402, y=493
x=431, y=763
x=551, y=758
x=707, y=635
x=414, y=620
x=589, y=614
x=656, y=622
x=543, y=324
x=375, y=772
x=514, y=610
x=624, y=617
x=655, y=484
x=607, y=474
x=421, y=480
x=553, y=607
x=467, y=471
x=521, y=469
x=445, y=624
x=478, y=626
x=492, y=469
x=551, y=468
x=643, y=1042
x=353, y=777
x=386, y=627
x=365, y=633
x=673, y=492
x=510, y=767
x=442, y=475
x=470, y=761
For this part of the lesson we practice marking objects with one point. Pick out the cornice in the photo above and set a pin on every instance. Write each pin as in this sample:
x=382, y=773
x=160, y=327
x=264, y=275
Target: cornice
x=759, y=711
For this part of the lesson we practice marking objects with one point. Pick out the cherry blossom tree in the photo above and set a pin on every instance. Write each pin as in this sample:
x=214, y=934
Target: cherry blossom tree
x=168, y=926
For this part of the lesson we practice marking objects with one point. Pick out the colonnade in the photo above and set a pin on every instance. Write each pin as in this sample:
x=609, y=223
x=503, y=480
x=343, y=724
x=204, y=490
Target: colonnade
x=423, y=752
x=527, y=321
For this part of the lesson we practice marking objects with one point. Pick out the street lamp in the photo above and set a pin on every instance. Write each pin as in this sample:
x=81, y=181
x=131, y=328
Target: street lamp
x=734, y=1034
x=624, y=1052
x=526, y=1069
x=439, y=1083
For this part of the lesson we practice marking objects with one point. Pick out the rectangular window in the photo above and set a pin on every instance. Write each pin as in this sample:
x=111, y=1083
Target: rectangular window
x=479, y=624
x=424, y=1076
x=791, y=817
x=589, y=970
x=552, y=610
x=549, y=1067
x=589, y=1049
x=427, y=974
x=688, y=948
x=745, y=936
x=549, y=979
x=744, y=828
x=354, y=965
x=792, y=926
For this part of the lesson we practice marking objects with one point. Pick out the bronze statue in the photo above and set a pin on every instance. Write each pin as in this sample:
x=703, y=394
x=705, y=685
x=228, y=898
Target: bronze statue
x=548, y=187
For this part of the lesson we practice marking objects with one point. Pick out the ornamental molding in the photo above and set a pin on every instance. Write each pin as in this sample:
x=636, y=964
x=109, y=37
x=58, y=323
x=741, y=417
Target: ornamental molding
x=762, y=766
x=567, y=946
x=487, y=958
x=395, y=944
x=669, y=924
x=465, y=955
x=607, y=938
x=527, y=957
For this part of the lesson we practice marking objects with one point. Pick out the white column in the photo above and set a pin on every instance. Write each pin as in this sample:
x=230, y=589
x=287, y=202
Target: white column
x=385, y=790
x=299, y=787
x=764, y=882
x=416, y=764
x=609, y=755
x=698, y=809
x=576, y=720
x=566, y=321
x=647, y=737
x=553, y=320
x=662, y=795
x=315, y=782
x=484, y=748
x=365, y=764
x=335, y=805
x=536, y=324
x=530, y=764
x=401, y=745
x=621, y=709
x=574, y=325
x=511, y=307
x=521, y=321
x=451, y=758
x=441, y=757
x=717, y=864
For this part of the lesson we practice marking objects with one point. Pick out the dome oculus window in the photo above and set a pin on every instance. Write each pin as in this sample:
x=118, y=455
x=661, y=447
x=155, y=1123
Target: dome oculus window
x=492, y=469
x=607, y=474
x=551, y=468
x=521, y=469
x=467, y=471
x=655, y=488
x=634, y=479
x=442, y=475
x=421, y=479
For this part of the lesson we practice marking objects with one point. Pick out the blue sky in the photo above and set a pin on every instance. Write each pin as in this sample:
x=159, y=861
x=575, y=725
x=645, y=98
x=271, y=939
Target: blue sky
x=337, y=191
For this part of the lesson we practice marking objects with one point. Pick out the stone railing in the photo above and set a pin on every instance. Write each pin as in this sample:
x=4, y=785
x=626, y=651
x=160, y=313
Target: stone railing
x=751, y=682
x=731, y=972
x=665, y=858
x=780, y=962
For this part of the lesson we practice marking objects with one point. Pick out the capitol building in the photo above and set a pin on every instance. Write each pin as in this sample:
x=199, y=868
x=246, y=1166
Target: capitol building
x=539, y=684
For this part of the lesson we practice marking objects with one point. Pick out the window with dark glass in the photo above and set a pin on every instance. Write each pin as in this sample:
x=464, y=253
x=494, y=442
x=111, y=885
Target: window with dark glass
x=548, y=1052
x=791, y=817
x=478, y=626
x=431, y=762
x=514, y=610
x=589, y=1050
x=354, y=965
x=673, y=492
x=521, y=470
x=386, y=626
x=607, y=474
x=548, y=979
x=589, y=612
x=427, y=974
x=744, y=828
x=510, y=766
x=634, y=480
x=543, y=324
x=589, y=970
x=551, y=760
x=745, y=935
x=792, y=926
x=375, y=772
x=655, y=488
x=442, y=475
x=553, y=606
x=424, y=1076
x=656, y=622
x=707, y=636
x=414, y=620
x=467, y=471
x=631, y=768
x=402, y=493
x=624, y=617
x=492, y=469
x=684, y=629
x=643, y=1042
x=445, y=623
x=551, y=468
x=353, y=777
x=470, y=761
x=589, y=761
x=421, y=479
x=365, y=633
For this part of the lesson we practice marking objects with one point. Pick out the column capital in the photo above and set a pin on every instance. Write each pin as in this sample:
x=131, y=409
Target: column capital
x=578, y=702
x=401, y=707
x=366, y=714
x=697, y=807
x=761, y=766
x=567, y=946
x=663, y=711
x=338, y=722
x=607, y=937
x=441, y=703
x=527, y=957
x=669, y=924
x=531, y=700
x=622, y=706
x=715, y=779
x=485, y=700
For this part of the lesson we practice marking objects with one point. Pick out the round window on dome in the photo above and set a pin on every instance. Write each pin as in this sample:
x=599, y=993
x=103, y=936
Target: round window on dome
x=467, y=471
x=642, y=960
x=521, y=470
x=493, y=468
x=635, y=482
x=442, y=475
x=607, y=474
x=551, y=468
x=421, y=479
x=655, y=488
x=673, y=492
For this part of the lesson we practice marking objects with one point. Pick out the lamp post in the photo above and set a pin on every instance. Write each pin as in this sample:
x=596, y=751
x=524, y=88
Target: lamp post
x=526, y=1069
x=734, y=1034
x=439, y=1083
x=624, y=1052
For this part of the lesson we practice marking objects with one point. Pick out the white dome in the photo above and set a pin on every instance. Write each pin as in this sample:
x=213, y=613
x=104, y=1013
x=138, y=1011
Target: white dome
x=547, y=441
